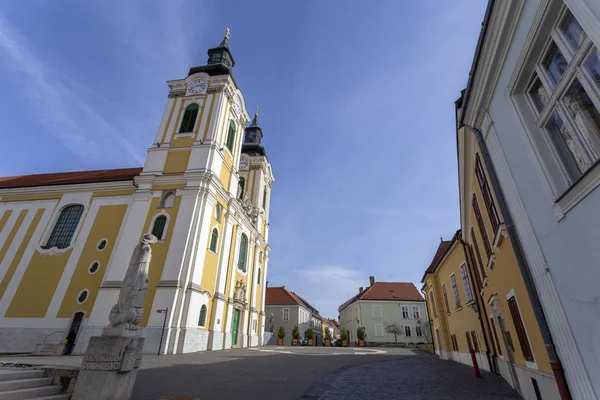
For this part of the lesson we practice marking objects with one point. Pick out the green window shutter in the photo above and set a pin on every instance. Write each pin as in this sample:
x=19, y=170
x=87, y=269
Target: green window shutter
x=189, y=118
x=258, y=281
x=243, y=253
x=159, y=226
x=231, y=135
x=213, y=240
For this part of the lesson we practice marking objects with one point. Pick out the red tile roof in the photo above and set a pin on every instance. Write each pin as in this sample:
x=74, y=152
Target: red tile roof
x=392, y=291
x=387, y=291
x=67, y=178
x=280, y=295
x=442, y=250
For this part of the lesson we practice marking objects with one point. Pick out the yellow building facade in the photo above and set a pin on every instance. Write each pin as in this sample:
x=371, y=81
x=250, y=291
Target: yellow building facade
x=476, y=295
x=204, y=191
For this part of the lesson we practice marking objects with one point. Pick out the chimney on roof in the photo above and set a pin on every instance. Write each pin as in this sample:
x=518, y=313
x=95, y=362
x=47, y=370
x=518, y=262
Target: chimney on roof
x=372, y=280
x=360, y=289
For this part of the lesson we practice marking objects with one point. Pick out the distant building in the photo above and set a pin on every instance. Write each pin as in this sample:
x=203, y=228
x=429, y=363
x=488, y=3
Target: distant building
x=384, y=304
x=289, y=310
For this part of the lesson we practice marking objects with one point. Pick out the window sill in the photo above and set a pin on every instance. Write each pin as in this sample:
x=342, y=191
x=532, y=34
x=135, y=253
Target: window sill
x=578, y=191
x=54, y=251
x=470, y=302
x=458, y=308
x=501, y=234
x=491, y=263
x=185, y=134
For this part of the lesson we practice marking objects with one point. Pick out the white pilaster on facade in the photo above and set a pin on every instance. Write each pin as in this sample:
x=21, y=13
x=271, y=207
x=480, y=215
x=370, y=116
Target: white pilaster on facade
x=31, y=247
x=255, y=267
x=231, y=285
x=170, y=292
x=165, y=118
x=135, y=219
x=216, y=118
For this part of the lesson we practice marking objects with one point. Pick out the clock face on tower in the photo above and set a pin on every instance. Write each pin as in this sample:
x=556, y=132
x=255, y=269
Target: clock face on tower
x=237, y=106
x=197, y=87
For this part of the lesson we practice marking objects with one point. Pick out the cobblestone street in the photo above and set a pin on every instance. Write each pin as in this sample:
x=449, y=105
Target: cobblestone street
x=419, y=378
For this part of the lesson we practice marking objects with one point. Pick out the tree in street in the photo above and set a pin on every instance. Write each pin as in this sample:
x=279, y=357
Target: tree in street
x=396, y=329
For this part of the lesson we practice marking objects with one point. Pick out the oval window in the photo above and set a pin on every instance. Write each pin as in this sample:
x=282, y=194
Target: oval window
x=82, y=296
x=102, y=244
x=94, y=267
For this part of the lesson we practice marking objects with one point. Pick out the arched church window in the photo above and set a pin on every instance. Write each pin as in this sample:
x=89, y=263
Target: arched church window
x=158, y=229
x=167, y=200
x=214, y=238
x=265, y=197
x=65, y=227
x=202, y=319
x=189, y=118
x=243, y=253
x=231, y=135
x=241, y=184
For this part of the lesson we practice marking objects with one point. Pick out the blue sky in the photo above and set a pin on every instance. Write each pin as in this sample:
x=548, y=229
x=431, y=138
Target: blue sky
x=356, y=104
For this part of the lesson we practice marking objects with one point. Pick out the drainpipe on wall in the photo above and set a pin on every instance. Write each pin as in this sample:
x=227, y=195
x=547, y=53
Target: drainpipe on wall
x=480, y=307
x=430, y=321
x=557, y=369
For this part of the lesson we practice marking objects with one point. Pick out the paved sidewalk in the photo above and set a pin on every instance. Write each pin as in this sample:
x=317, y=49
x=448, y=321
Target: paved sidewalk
x=423, y=377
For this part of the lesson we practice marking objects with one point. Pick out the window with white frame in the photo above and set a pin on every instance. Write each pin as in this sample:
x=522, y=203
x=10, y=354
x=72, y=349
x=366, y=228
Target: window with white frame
x=407, y=330
x=563, y=93
x=377, y=312
x=466, y=283
x=286, y=314
x=415, y=312
x=378, y=330
x=418, y=331
x=404, y=312
x=455, y=290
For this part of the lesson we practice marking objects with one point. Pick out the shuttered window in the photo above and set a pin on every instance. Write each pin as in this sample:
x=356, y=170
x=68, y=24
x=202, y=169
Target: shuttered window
x=486, y=193
x=455, y=291
x=65, y=227
x=158, y=228
x=445, y=298
x=478, y=253
x=214, y=238
x=231, y=135
x=243, y=253
x=454, y=342
x=486, y=242
x=466, y=283
x=189, y=118
x=520, y=328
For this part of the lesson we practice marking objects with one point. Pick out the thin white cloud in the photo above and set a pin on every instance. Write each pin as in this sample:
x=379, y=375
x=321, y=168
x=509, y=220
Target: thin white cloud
x=64, y=114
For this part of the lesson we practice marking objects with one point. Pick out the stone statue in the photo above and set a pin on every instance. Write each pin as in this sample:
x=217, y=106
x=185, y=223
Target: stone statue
x=271, y=323
x=128, y=312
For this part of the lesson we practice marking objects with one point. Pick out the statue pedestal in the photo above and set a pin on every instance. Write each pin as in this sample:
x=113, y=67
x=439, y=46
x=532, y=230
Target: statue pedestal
x=109, y=368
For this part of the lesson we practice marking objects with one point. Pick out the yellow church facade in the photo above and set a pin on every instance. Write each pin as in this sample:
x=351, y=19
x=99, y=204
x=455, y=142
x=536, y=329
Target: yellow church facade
x=204, y=191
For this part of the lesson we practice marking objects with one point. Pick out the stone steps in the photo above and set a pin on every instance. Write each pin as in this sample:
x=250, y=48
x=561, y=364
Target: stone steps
x=28, y=384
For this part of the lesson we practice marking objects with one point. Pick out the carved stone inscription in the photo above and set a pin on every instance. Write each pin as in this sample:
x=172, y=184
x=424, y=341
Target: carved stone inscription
x=113, y=354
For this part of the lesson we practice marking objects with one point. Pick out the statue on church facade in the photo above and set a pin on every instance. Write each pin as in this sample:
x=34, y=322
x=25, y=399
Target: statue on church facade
x=128, y=312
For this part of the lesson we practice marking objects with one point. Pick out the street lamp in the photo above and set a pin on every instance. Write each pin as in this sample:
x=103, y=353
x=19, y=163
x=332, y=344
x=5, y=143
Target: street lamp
x=163, y=311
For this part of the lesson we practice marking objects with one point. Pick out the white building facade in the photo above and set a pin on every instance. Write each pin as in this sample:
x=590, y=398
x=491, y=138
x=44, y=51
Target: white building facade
x=376, y=309
x=534, y=96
